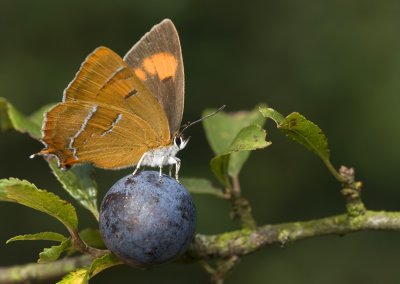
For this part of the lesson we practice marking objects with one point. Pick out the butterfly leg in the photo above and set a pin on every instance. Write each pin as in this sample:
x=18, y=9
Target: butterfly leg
x=177, y=167
x=177, y=162
x=161, y=165
x=138, y=164
x=160, y=176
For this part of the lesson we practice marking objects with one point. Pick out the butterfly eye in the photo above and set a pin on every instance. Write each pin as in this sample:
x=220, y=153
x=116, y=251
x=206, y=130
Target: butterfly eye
x=178, y=141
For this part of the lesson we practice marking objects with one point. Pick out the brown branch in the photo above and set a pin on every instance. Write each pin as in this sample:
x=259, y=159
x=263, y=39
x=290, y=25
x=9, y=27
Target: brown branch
x=227, y=245
x=241, y=208
x=35, y=272
x=245, y=241
x=351, y=190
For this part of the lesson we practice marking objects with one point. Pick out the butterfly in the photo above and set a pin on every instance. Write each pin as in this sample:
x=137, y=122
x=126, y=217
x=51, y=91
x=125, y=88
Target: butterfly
x=121, y=112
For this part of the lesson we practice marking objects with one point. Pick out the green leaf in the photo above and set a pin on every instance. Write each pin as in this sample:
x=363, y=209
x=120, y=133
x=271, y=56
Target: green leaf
x=301, y=130
x=37, y=116
x=53, y=253
x=272, y=114
x=221, y=130
x=249, y=138
x=79, y=183
x=103, y=262
x=25, y=193
x=82, y=275
x=305, y=132
x=11, y=118
x=5, y=122
x=79, y=276
x=92, y=237
x=42, y=236
x=201, y=186
x=219, y=166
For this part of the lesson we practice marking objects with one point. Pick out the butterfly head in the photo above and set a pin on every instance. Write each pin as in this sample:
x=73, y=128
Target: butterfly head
x=180, y=142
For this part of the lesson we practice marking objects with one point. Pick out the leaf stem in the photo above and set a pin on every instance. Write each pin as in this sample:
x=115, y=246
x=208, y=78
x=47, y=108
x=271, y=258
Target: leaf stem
x=332, y=170
x=236, y=191
x=83, y=247
x=241, y=208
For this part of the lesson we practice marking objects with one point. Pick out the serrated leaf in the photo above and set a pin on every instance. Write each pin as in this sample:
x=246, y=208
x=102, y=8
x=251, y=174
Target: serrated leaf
x=53, y=253
x=11, y=118
x=305, y=132
x=201, y=186
x=25, y=193
x=79, y=276
x=79, y=183
x=301, y=130
x=92, y=237
x=222, y=129
x=103, y=262
x=249, y=138
x=42, y=236
x=82, y=275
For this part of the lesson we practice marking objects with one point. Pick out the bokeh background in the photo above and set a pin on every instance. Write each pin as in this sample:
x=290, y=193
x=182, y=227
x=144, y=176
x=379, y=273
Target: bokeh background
x=336, y=62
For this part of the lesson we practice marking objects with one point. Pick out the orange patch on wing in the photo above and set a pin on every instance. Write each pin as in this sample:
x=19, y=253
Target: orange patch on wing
x=163, y=64
x=140, y=73
x=148, y=65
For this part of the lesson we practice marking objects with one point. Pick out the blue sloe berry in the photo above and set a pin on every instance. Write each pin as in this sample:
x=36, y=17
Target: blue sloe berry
x=145, y=221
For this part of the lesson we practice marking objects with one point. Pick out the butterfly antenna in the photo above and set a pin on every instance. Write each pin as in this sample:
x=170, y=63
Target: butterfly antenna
x=201, y=119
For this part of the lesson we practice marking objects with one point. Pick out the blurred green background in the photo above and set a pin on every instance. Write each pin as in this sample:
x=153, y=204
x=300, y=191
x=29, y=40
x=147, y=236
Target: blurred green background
x=336, y=62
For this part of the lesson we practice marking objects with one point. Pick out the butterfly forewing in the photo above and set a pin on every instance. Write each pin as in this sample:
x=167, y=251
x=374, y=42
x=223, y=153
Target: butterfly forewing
x=105, y=116
x=157, y=60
